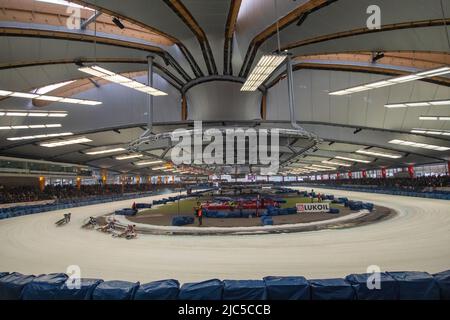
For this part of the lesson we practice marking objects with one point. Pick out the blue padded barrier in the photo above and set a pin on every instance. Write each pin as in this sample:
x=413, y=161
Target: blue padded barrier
x=334, y=211
x=182, y=220
x=143, y=205
x=87, y=287
x=431, y=195
x=287, y=288
x=158, y=290
x=394, y=285
x=244, y=290
x=126, y=212
x=388, y=287
x=368, y=206
x=66, y=204
x=443, y=282
x=11, y=286
x=206, y=290
x=267, y=221
x=45, y=287
x=331, y=289
x=115, y=290
x=416, y=285
x=55, y=287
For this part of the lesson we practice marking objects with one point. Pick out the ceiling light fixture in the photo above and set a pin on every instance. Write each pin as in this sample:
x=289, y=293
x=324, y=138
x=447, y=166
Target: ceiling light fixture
x=323, y=167
x=102, y=73
x=159, y=168
x=118, y=23
x=418, y=104
x=379, y=154
x=146, y=163
x=431, y=132
x=352, y=159
x=40, y=136
x=34, y=126
x=60, y=143
x=393, y=81
x=18, y=113
x=26, y=95
x=65, y=3
x=435, y=118
x=337, y=163
x=129, y=156
x=93, y=153
x=418, y=145
x=264, y=68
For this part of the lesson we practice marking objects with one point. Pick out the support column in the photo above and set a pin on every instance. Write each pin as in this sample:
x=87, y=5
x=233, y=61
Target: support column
x=41, y=184
x=263, y=106
x=104, y=175
x=184, y=111
x=78, y=181
x=150, y=97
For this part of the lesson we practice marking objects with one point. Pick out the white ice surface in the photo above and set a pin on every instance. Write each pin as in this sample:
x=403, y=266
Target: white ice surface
x=417, y=239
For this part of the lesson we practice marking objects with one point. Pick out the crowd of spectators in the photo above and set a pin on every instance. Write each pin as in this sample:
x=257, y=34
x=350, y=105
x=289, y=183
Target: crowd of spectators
x=58, y=192
x=430, y=183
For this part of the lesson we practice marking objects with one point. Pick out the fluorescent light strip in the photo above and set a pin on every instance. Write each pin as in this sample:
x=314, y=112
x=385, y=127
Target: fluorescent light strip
x=67, y=142
x=264, y=68
x=435, y=118
x=41, y=114
x=41, y=136
x=159, y=168
x=36, y=126
x=4, y=93
x=419, y=104
x=145, y=163
x=92, y=153
x=129, y=156
x=65, y=3
x=352, y=159
x=323, y=167
x=337, y=163
x=393, y=81
x=99, y=72
x=379, y=154
x=431, y=132
x=419, y=145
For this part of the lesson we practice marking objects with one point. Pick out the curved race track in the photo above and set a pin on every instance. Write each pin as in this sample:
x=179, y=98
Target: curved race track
x=418, y=238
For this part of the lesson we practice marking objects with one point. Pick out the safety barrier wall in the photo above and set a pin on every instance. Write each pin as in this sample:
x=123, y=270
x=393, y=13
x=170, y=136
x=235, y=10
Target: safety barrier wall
x=392, y=286
x=430, y=195
x=27, y=210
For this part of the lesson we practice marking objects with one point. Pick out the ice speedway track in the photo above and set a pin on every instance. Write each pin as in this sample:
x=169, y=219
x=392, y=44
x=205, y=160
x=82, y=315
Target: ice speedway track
x=417, y=239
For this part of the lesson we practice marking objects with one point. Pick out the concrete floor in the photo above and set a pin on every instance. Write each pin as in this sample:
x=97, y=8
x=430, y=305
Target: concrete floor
x=417, y=239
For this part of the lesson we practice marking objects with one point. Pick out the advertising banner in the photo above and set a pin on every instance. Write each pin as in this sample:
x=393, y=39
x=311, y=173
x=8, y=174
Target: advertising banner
x=312, y=207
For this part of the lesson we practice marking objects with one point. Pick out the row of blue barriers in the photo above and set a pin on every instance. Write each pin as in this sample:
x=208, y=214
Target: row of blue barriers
x=18, y=211
x=393, y=286
x=429, y=195
x=179, y=197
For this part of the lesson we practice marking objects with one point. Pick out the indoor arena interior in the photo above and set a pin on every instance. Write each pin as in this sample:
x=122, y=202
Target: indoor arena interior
x=240, y=150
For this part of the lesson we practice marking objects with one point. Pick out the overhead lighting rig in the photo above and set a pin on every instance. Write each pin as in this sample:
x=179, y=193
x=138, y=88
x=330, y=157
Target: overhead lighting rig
x=393, y=81
x=264, y=68
x=107, y=75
